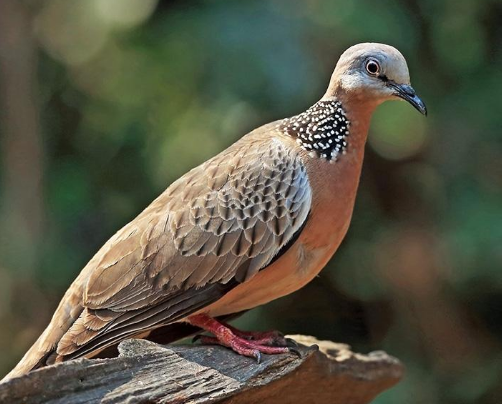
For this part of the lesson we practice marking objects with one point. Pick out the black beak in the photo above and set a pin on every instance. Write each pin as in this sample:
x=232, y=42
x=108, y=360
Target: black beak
x=407, y=93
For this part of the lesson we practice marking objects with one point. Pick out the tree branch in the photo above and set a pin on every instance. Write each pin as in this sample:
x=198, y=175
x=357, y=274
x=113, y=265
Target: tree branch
x=146, y=372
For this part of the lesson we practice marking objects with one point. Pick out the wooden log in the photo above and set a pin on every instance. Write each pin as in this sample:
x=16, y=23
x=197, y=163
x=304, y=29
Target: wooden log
x=146, y=372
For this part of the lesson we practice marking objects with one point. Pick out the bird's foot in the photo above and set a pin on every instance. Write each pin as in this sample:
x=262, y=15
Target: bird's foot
x=247, y=348
x=243, y=342
x=268, y=338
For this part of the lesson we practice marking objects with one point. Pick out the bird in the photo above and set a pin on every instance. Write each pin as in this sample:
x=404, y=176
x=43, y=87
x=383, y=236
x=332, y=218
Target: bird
x=254, y=223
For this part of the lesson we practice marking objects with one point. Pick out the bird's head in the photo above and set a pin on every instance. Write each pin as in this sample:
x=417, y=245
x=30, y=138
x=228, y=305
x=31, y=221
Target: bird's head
x=373, y=73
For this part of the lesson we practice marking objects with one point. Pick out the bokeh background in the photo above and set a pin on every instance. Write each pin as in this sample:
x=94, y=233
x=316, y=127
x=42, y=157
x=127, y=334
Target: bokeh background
x=103, y=103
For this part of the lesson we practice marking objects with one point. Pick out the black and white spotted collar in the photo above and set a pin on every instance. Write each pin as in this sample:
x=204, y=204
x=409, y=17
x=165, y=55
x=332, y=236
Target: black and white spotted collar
x=322, y=129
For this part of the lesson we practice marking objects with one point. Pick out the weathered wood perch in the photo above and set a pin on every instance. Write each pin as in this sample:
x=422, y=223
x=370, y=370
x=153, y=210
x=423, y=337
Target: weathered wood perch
x=146, y=372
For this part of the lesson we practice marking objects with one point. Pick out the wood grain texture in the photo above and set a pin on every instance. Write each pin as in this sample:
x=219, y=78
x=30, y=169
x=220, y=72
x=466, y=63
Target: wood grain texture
x=146, y=372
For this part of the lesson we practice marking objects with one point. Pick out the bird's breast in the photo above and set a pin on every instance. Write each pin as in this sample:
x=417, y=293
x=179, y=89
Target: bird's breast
x=333, y=195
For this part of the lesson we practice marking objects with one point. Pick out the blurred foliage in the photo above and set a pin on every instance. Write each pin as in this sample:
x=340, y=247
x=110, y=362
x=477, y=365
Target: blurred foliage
x=105, y=103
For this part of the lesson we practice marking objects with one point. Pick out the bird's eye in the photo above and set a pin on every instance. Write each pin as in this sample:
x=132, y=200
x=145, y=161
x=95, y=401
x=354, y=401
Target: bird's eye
x=372, y=67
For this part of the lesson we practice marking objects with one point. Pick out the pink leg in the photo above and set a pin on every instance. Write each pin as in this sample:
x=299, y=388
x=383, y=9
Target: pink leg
x=270, y=338
x=232, y=338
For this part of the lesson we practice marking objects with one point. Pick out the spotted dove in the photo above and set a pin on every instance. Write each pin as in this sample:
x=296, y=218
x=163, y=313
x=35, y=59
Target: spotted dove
x=254, y=223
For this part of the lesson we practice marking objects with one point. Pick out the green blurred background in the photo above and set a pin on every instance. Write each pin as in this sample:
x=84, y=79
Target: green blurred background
x=105, y=102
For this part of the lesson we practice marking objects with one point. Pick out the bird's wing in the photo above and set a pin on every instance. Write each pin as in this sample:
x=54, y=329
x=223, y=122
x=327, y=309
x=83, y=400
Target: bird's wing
x=215, y=227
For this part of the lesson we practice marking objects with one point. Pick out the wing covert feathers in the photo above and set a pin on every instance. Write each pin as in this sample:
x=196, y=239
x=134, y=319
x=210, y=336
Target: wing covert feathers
x=215, y=227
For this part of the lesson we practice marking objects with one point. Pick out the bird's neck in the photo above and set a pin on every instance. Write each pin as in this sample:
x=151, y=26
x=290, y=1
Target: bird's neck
x=329, y=128
x=322, y=130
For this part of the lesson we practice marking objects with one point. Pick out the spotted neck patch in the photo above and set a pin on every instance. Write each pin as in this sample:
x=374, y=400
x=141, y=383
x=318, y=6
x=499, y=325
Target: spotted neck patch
x=322, y=129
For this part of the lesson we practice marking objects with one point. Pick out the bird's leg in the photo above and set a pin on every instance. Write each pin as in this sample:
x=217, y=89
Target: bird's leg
x=270, y=338
x=224, y=335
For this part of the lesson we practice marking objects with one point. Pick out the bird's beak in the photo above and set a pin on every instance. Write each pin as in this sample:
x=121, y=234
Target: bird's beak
x=407, y=93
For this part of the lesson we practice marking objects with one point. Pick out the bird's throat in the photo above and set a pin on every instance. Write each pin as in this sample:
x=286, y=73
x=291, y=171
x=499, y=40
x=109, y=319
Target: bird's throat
x=322, y=130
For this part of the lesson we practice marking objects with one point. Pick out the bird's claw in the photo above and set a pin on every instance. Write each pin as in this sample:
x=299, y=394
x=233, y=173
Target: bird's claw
x=251, y=344
x=295, y=351
x=258, y=356
x=291, y=342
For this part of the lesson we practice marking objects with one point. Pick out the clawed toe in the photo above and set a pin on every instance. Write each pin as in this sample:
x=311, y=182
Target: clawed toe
x=258, y=357
x=295, y=351
x=248, y=348
x=291, y=342
x=251, y=344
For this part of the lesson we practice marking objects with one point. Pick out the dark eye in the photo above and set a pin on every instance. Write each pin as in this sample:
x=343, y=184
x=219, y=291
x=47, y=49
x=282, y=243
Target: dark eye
x=372, y=67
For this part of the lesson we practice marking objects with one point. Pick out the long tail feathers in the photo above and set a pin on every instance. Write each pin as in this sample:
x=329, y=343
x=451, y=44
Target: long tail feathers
x=35, y=357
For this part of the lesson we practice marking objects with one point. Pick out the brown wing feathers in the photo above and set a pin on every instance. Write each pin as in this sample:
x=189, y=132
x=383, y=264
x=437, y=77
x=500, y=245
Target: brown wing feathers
x=132, y=323
x=213, y=228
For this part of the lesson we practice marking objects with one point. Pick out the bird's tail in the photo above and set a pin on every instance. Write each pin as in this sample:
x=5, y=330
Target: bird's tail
x=34, y=358
x=43, y=351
